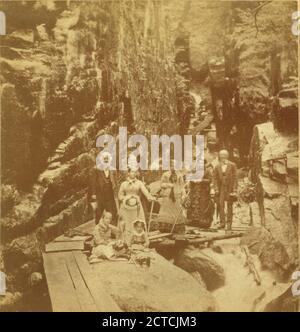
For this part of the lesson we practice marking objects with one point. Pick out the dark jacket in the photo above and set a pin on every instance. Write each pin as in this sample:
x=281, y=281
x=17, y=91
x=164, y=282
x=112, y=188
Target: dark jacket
x=226, y=183
x=97, y=183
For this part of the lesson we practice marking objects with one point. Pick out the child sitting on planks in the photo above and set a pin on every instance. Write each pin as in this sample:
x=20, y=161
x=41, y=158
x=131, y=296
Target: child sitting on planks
x=104, y=231
x=106, y=236
x=139, y=238
x=139, y=243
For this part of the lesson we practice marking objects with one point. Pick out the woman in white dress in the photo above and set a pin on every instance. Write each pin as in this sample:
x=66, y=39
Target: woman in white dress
x=131, y=207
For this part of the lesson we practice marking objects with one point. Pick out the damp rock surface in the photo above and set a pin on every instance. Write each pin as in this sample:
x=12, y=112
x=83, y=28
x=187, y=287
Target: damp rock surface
x=195, y=260
x=161, y=287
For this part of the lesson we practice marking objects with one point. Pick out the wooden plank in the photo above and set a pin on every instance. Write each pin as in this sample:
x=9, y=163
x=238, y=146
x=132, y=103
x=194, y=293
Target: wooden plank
x=87, y=227
x=63, y=238
x=158, y=236
x=84, y=296
x=62, y=292
x=64, y=246
x=100, y=260
x=153, y=233
x=103, y=300
x=207, y=239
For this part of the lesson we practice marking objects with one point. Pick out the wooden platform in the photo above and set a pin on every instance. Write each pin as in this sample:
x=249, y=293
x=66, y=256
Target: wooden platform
x=73, y=285
x=72, y=282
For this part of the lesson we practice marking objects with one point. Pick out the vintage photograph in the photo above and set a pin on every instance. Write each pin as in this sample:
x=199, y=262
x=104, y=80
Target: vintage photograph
x=149, y=156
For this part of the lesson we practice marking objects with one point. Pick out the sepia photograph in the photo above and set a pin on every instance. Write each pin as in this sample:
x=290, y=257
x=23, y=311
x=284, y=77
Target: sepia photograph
x=149, y=157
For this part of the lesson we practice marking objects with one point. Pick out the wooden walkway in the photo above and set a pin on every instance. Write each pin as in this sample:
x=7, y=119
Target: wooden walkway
x=73, y=285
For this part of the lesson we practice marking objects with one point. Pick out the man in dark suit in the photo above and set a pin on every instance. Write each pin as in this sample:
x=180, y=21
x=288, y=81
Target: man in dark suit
x=103, y=186
x=225, y=188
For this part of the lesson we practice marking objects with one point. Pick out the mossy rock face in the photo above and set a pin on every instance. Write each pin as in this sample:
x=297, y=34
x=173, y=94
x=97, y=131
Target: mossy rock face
x=22, y=250
x=10, y=302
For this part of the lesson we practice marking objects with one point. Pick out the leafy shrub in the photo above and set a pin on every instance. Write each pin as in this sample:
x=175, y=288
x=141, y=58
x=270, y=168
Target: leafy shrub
x=9, y=198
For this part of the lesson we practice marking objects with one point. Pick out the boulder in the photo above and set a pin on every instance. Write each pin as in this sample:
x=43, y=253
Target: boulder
x=284, y=302
x=21, y=219
x=193, y=259
x=81, y=140
x=276, y=196
x=161, y=287
x=292, y=164
x=271, y=188
x=10, y=302
x=278, y=216
x=65, y=185
x=276, y=298
x=24, y=249
x=74, y=215
x=272, y=254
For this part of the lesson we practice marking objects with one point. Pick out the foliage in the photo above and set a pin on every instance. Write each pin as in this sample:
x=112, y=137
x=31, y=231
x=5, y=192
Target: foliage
x=9, y=198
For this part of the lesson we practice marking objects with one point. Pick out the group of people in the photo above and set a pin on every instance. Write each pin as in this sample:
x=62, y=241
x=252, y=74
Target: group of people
x=123, y=213
x=120, y=216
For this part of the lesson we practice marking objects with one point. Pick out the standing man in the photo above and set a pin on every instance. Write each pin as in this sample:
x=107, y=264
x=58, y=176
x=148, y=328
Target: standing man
x=103, y=186
x=225, y=188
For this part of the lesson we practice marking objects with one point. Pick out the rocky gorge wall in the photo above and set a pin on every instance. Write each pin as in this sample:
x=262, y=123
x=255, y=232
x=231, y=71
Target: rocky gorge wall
x=258, y=49
x=274, y=171
x=260, y=55
x=70, y=71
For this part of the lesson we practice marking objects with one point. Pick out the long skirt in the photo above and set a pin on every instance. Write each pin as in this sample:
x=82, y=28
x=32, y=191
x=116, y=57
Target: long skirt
x=200, y=213
x=171, y=213
x=128, y=217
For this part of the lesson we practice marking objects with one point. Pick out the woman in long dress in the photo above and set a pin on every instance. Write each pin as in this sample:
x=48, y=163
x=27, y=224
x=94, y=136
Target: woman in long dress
x=131, y=208
x=171, y=212
x=201, y=206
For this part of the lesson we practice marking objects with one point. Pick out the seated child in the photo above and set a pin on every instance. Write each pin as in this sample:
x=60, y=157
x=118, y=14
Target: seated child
x=104, y=243
x=104, y=230
x=139, y=237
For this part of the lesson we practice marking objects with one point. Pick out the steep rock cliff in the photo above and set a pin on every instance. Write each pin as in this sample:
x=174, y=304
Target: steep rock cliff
x=69, y=72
